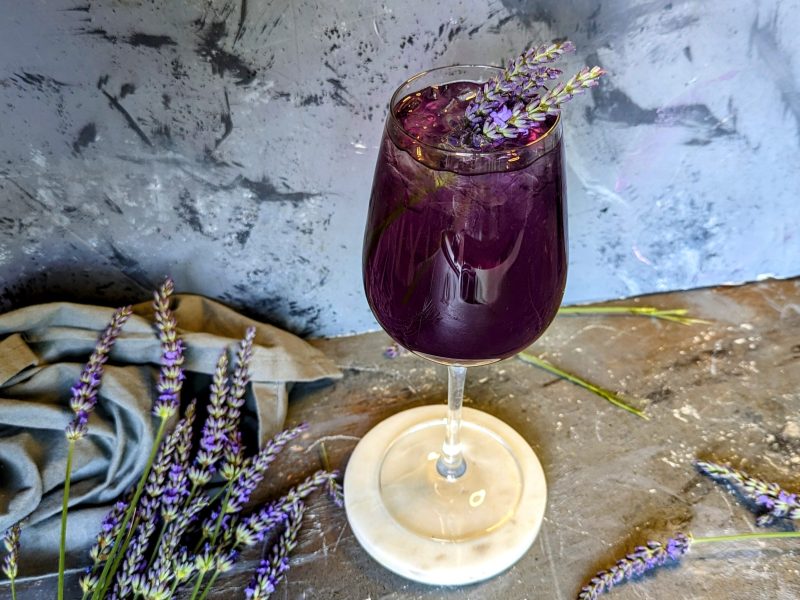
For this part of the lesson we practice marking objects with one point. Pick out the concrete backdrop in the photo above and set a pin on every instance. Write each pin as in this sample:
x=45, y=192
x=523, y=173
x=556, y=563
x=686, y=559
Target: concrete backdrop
x=231, y=143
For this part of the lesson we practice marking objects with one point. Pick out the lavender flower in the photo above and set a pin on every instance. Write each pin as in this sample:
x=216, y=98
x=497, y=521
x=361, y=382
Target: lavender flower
x=84, y=392
x=164, y=575
x=176, y=489
x=518, y=101
x=183, y=567
x=779, y=504
x=171, y=377
x=253, y=474
x=241, y=377
x=104, y=542
x=253, y=528
x=233, y=459
x=213, y=436
x=129, y=579
x=641, y=560
x=270, y=571
x=394, y=351
x=11, y=542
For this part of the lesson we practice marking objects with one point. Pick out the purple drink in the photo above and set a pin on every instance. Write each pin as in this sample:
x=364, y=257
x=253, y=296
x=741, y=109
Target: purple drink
x=465, y=253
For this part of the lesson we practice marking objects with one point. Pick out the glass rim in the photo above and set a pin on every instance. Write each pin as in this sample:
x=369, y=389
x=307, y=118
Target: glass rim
x=462, y=153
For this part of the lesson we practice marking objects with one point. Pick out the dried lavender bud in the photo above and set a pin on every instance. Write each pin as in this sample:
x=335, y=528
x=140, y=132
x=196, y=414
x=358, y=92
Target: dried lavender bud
x=171, y=376
x=271, y=570
x=84, y=392
x=641, y=560
x=779, y=503
x=11, y=542
x=213, y=435
x=253, y=473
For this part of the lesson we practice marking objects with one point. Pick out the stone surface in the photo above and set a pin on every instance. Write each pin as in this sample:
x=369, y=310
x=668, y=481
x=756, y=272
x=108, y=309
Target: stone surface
x=231, y=143
x=728, y=391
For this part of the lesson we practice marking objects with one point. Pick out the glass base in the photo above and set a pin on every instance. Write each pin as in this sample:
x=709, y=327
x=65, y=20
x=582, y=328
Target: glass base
x=430, y=529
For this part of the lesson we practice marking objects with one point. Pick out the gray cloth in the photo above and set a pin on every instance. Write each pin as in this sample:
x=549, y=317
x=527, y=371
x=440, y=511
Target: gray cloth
x=42, y=351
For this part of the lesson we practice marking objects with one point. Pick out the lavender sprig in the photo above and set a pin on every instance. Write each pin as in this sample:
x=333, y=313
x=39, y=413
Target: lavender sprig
x=177, y=486
x=253, y=528
x=642, y=559
x=213, y=435
x=241, y=377
x=777, y=502
x=104, y=542
x=517, y=101
x=253, y=474
x=82, y=402
x=270, y=571
x=171, y=377
x=11, y=542
x=84, y=392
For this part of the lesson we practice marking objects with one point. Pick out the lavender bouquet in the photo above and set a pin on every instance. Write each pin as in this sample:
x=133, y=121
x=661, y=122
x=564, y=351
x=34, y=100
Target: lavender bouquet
x=184, y=522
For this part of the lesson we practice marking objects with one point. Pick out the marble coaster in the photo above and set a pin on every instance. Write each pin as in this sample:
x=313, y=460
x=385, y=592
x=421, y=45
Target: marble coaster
x=393, y=526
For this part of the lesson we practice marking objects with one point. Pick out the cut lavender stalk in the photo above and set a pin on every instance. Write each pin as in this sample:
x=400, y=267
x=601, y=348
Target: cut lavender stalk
x=241, y=377
x=171, y=377
x=11, y=543
x=170, y=381
x=656, y=554
x=177, y=488
x=82, y=402
x=596, y=389
x=676, y=315
x=775, y=502
x=642, y=559
x=253, y=474
x=102, y=547
x=213, y=436
x=270, y=571
x=84, y=392
x=253, y=528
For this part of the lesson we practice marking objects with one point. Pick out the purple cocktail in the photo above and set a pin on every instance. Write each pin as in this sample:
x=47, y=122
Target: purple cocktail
x=465, y=262
x=465, y=254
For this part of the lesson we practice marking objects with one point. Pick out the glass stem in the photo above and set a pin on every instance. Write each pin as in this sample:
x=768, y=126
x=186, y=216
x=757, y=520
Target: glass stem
x=451, y=463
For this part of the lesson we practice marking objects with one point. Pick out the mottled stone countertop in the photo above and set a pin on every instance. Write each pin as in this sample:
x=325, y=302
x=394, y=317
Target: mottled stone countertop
x=728, y=390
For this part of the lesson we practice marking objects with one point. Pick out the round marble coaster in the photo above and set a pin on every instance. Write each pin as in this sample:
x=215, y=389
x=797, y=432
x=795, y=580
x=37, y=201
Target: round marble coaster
x=428, y=529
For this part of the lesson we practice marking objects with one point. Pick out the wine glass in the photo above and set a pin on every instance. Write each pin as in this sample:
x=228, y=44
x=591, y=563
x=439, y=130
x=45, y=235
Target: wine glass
x=465, y=261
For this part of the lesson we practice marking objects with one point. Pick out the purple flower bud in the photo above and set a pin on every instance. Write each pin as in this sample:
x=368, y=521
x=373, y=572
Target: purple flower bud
x=500, y=116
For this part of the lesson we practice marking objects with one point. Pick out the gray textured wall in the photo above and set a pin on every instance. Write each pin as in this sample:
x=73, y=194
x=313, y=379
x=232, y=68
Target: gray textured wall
x=232, y=144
